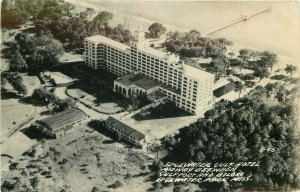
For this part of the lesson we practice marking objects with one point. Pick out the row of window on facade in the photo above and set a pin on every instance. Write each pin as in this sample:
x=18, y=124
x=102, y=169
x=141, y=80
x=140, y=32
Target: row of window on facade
x=123, y=134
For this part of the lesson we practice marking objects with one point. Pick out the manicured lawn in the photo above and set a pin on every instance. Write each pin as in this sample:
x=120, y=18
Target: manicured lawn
x=167, y=110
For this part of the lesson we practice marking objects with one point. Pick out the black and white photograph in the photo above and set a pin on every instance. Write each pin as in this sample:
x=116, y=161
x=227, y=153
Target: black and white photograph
x=150, y=96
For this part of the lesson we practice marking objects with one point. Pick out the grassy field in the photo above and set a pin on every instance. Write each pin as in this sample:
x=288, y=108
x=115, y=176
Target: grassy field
x=80, y=161
x=12, y=114
x=31, y=82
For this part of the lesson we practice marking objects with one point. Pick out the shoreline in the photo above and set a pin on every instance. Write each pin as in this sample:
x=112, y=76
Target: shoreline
x=120, y=16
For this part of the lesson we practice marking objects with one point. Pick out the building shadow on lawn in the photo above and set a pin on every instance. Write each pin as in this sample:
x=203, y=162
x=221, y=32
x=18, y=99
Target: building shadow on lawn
x=102, y=93
x=166, y=110
x=78, y=70
x=29, y=100
x=278, y=77
x=33, y=133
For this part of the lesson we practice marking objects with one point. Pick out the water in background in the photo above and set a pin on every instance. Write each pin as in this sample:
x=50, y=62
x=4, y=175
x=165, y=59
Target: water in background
x=277, y=30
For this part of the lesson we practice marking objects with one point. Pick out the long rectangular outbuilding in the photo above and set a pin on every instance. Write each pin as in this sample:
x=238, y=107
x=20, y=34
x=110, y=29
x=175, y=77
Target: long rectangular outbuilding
x=61, y=123
x=126, y=132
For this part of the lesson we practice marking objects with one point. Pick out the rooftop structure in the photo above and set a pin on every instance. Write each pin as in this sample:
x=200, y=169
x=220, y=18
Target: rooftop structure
x=138, y=80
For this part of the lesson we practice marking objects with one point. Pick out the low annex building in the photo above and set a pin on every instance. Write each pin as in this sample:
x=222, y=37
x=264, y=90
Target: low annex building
x=125, y=131
x=135, y=84
x=61, y=123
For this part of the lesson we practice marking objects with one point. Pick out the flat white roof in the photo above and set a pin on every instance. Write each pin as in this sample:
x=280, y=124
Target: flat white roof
x=153, y=52
x=147, y=50
x=196, y=73
x=220, y=83
x=101, y=39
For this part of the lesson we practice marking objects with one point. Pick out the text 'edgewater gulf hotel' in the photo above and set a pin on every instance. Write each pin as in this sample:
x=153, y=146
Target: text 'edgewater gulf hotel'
x=190, y=88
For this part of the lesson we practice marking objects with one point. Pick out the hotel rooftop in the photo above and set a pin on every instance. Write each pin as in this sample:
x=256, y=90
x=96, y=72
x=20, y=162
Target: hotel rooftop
x=196, y=73
x=150, y=51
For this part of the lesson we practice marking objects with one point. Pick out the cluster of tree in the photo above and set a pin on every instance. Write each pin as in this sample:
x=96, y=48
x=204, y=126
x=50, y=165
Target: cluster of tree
x=278, y=91
x=239, y=131
x=260, y=62
x=56, y=16
x=42, y=96
x=257, y=61
x=155, y=30
x=11, y=185
x=18, y=12
x=73, y=29
x=40, y=51
x=219, y=66
x=17, y=62
x=192, y=44
x=16, y=82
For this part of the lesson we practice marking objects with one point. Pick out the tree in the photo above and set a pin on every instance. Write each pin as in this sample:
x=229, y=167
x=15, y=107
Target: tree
x=240, y=87
x=47, y=52
x=42, y=96
x=231, y=54
x=269, y=59
x=239, y=133
x=55, y=9
x=156, y=30
x=19, y=13
x=90, y=11
x=25, y=43
x=102, y=18
x=261, y=72
x=290, y=68
x=254, y=54
x=241, y=64
x=219, y=65
x=34, y=182
x=223, y=43
x=281, y=95
x=95, y=189
x=244, y=54
x=67, y=8
x=18, y=85
x=17, y=62
x=83, y=15
x=3, y=82
x=61, y=105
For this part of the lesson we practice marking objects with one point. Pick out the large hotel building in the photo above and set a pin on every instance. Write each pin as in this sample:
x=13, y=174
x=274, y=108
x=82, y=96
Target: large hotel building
x=142, y=69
